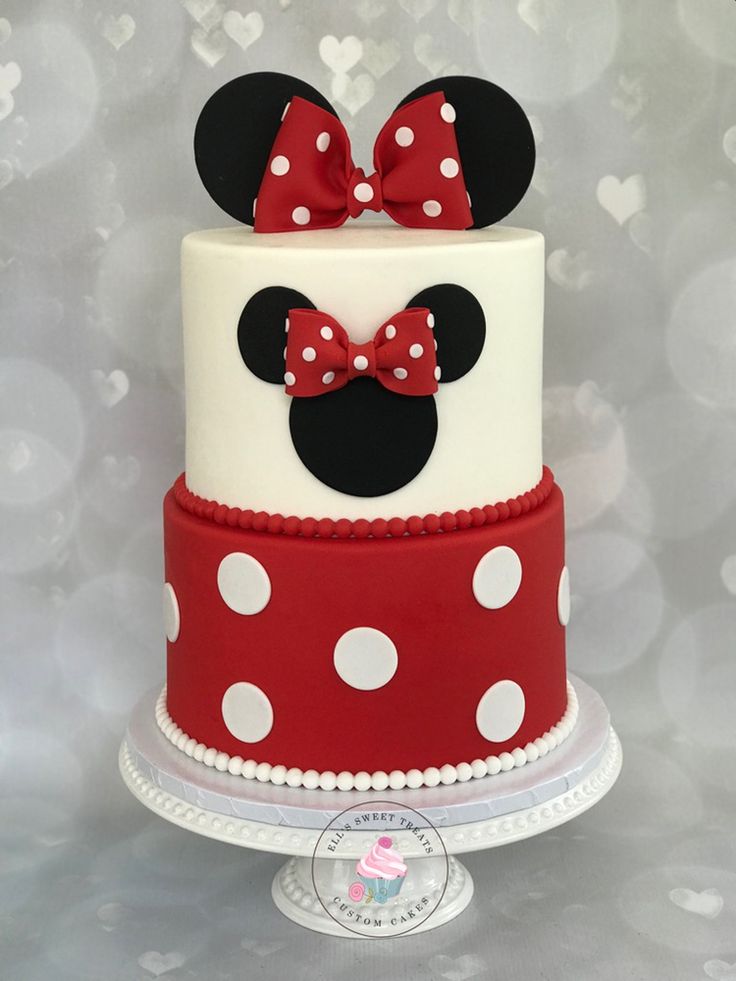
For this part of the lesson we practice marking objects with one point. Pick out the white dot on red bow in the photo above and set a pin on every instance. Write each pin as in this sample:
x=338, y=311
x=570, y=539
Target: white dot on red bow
x=363, y=192
x=404, y=136
x=309, y=354
x=290, y=378
x=447, y=111
x=300, y=215
x=432, y=209
x=286, y=325
x=438, y=373
x=400, y=373
x=449, y=167
x=328, y=378
x=430, y=320
x=416, y=351
x=286, y=109
x=326, y=332
x=280, y=165
x=255, y=201
x=390, y=332
x=360, y=362
x=323, y=141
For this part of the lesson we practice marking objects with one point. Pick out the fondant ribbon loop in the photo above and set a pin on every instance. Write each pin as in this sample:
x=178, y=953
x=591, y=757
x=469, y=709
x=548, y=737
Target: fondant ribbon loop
x=311, y=181
x=320, y=357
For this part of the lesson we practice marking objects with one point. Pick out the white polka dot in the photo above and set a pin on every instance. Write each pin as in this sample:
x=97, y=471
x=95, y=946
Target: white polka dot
x=247, y=712
x=563, y=597
x=497, y=577
x=290, y=378
x=301, y=215
x=255, y=202
x=285, y=349
x=326, y=332
x=447, y=111
x=280, y=165
x=437, y=372
x=365, y=658
x=500, y=711
x=286, y=109
x=416, y=351
x=363, y=192
x=309, y=354
x=286, y=325
x=390, y=332
x=328, y=378
x=401, y=373
x=430, y=320
x=243, y=583
x=172, y=619
x=449, y=167
x=435, y=343
x=323, y=141
x=404, y=136
x=360, y=362
x=470, y=203
x=432, y=209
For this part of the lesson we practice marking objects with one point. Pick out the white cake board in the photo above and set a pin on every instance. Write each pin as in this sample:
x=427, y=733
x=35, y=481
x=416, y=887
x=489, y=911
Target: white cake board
x=480, y=813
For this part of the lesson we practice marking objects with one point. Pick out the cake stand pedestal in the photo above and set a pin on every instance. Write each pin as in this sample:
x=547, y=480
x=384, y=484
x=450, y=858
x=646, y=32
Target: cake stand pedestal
x=480, y=813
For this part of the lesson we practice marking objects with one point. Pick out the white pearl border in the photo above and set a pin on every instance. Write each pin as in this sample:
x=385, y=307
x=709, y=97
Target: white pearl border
x=380, y=780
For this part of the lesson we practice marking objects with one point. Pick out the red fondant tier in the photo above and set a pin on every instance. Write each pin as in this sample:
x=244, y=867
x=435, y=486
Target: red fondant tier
x=374, y=654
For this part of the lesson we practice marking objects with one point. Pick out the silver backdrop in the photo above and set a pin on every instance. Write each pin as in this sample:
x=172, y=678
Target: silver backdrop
x=634, y=110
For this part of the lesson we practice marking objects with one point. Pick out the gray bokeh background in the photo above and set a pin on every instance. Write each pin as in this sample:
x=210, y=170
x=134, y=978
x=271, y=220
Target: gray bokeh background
x=634, y=111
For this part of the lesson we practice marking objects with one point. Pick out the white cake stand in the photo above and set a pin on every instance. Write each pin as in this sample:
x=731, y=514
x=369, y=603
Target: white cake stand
x=480, y=813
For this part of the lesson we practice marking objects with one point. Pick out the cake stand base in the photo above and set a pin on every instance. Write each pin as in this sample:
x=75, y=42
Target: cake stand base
x=478, y=814
x=447, y=884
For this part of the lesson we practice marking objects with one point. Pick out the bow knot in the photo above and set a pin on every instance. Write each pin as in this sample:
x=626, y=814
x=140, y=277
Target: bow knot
x=311, y=181
x=364, y=193
x=361, y=360
x=320, y=357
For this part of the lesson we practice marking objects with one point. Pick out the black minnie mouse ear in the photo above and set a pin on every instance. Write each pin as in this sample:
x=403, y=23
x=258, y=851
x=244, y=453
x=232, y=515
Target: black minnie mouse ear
x=235, y=132
x=459, y=327
x=495, y=142
x=262, y=330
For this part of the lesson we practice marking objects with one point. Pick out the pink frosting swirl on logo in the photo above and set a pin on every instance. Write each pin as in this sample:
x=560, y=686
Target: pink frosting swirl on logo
x=382, y=861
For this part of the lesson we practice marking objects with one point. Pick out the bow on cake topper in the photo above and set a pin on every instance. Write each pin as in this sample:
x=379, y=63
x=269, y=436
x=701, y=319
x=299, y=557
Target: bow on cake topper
x=457, y=153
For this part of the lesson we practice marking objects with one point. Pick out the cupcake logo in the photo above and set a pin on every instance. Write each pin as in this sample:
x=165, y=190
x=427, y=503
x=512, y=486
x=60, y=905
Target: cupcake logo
x=380, y=868
x=381, y=873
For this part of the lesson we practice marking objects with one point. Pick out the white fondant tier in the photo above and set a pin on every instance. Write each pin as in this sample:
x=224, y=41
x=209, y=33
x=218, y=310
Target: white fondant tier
x=239, y=450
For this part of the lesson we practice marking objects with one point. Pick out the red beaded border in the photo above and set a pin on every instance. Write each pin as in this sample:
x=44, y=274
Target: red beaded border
x=430, y=524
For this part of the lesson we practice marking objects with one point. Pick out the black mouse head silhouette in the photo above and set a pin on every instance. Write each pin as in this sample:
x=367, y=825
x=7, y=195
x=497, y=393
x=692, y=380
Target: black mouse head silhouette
x=353, y=428
x=456, y=153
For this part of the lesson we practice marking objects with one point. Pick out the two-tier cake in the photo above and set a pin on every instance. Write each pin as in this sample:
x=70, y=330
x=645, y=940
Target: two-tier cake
x=365, y=570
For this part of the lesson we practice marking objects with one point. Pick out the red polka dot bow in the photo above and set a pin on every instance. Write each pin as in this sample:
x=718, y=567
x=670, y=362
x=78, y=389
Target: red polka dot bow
x=312, y=182
x=320, y=357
